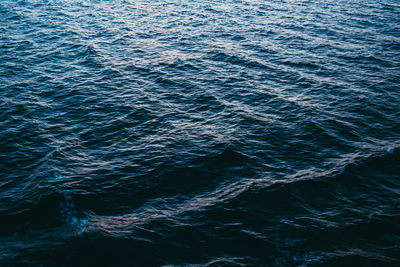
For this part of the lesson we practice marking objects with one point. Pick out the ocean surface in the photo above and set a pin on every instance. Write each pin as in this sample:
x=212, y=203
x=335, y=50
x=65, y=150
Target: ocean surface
x=202, y=133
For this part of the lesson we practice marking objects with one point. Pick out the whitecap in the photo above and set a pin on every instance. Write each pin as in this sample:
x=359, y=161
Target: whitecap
x=390, y=150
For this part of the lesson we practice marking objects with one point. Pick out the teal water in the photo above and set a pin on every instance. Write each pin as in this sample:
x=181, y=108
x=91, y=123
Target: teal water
x=212, y=133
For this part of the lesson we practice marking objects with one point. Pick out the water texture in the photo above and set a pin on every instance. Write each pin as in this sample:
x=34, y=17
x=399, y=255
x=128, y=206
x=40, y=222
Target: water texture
x=212, y=133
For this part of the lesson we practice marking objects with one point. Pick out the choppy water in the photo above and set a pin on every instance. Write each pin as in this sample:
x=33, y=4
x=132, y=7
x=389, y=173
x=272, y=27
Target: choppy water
x=218, y=133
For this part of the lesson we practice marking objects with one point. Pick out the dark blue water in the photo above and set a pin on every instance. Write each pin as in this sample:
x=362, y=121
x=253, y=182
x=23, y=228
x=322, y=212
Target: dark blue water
x=213, y=133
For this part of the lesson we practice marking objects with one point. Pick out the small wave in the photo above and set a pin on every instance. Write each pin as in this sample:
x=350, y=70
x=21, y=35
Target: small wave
x=70, y=214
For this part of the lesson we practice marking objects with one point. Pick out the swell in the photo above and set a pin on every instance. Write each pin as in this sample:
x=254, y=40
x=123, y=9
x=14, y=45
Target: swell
x=345, y=205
